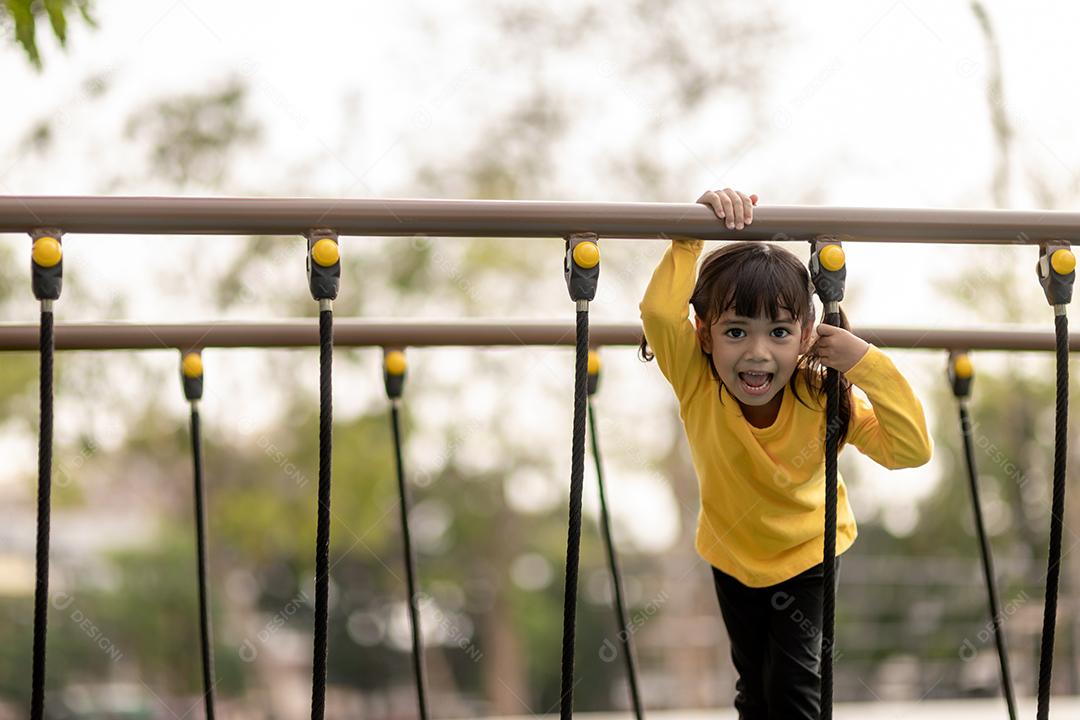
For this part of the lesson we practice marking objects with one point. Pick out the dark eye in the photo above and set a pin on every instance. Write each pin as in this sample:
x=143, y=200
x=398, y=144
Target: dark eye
x=731, y=330
x=783, y=330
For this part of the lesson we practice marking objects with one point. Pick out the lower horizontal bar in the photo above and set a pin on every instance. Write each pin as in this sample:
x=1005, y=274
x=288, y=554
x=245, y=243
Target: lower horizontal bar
x=483, y=333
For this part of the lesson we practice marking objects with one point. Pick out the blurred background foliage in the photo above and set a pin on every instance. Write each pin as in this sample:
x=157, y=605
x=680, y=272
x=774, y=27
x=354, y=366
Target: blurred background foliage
x=123, y=617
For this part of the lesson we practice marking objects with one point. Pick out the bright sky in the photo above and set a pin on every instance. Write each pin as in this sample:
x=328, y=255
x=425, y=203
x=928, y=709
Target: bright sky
x=867, y=103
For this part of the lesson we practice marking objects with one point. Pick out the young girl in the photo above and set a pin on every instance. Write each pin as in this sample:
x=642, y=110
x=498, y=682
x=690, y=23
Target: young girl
x=749, y=377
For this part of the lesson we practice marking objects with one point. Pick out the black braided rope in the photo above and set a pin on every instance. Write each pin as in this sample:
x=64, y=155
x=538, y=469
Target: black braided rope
x=988, y=565
x=41, y=560
x=205, y=633
x=1057, y=517
x=573, y=540
x=616, y=576
x=828, y=598
x=410, y=569
x=322, y=533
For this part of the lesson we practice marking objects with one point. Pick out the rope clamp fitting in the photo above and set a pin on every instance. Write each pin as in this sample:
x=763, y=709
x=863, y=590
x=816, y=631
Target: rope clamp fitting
x=323, y=263
x=191, y=374
x=961, y=373
x=828, y=269
x=394, y=367
x=1056, y=270
x=594, y=371
x=46, y=263
x=581, y=266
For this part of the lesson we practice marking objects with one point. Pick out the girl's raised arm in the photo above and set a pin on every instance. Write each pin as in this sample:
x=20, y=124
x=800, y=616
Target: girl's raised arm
x=666, y=305
x=891, y=429
x=665, y=318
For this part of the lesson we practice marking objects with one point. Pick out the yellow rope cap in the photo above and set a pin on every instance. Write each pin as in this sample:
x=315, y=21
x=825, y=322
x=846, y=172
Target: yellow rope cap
x=46, y=251
x=962, y=366
x=395, y=362
x=832, y=257
x=191, y=365
x=587, y=254
x=325, y=252
x=594, y=362
x=1063, y=261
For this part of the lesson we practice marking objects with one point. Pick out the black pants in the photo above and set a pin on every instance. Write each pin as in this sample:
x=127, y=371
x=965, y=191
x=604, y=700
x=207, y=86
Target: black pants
x=775, y=634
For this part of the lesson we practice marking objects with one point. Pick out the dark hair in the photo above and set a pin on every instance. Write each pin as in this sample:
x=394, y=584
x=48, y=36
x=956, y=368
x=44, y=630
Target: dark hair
x=760, y=280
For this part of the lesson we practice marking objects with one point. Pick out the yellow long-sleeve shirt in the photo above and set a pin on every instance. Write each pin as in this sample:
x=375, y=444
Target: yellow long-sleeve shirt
x=763, y=489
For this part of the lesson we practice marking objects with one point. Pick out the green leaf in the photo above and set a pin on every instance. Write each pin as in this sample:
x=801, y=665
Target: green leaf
x=23, y=16
x=55, y=9
x=84, y=10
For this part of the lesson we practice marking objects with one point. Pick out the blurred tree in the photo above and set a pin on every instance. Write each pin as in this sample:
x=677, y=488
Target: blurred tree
x=493, y=571
x=193, y=136
x=938, y=614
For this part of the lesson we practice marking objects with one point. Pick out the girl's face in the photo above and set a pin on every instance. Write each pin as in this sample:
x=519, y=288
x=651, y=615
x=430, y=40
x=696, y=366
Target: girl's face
x=754, y=357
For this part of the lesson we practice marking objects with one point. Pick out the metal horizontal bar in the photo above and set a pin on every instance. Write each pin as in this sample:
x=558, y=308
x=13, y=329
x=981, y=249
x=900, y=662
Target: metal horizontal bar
x=393, y=333
x=523, y=218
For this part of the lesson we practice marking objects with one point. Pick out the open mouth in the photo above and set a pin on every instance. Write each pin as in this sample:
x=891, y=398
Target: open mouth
x=755, y=383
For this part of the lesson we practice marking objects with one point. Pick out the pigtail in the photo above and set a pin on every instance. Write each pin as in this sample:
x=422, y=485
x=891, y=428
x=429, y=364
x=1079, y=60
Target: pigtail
x=644, y=351
x=814, y=373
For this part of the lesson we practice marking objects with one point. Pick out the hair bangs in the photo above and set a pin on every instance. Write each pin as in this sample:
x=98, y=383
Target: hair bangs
x=761, y=287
